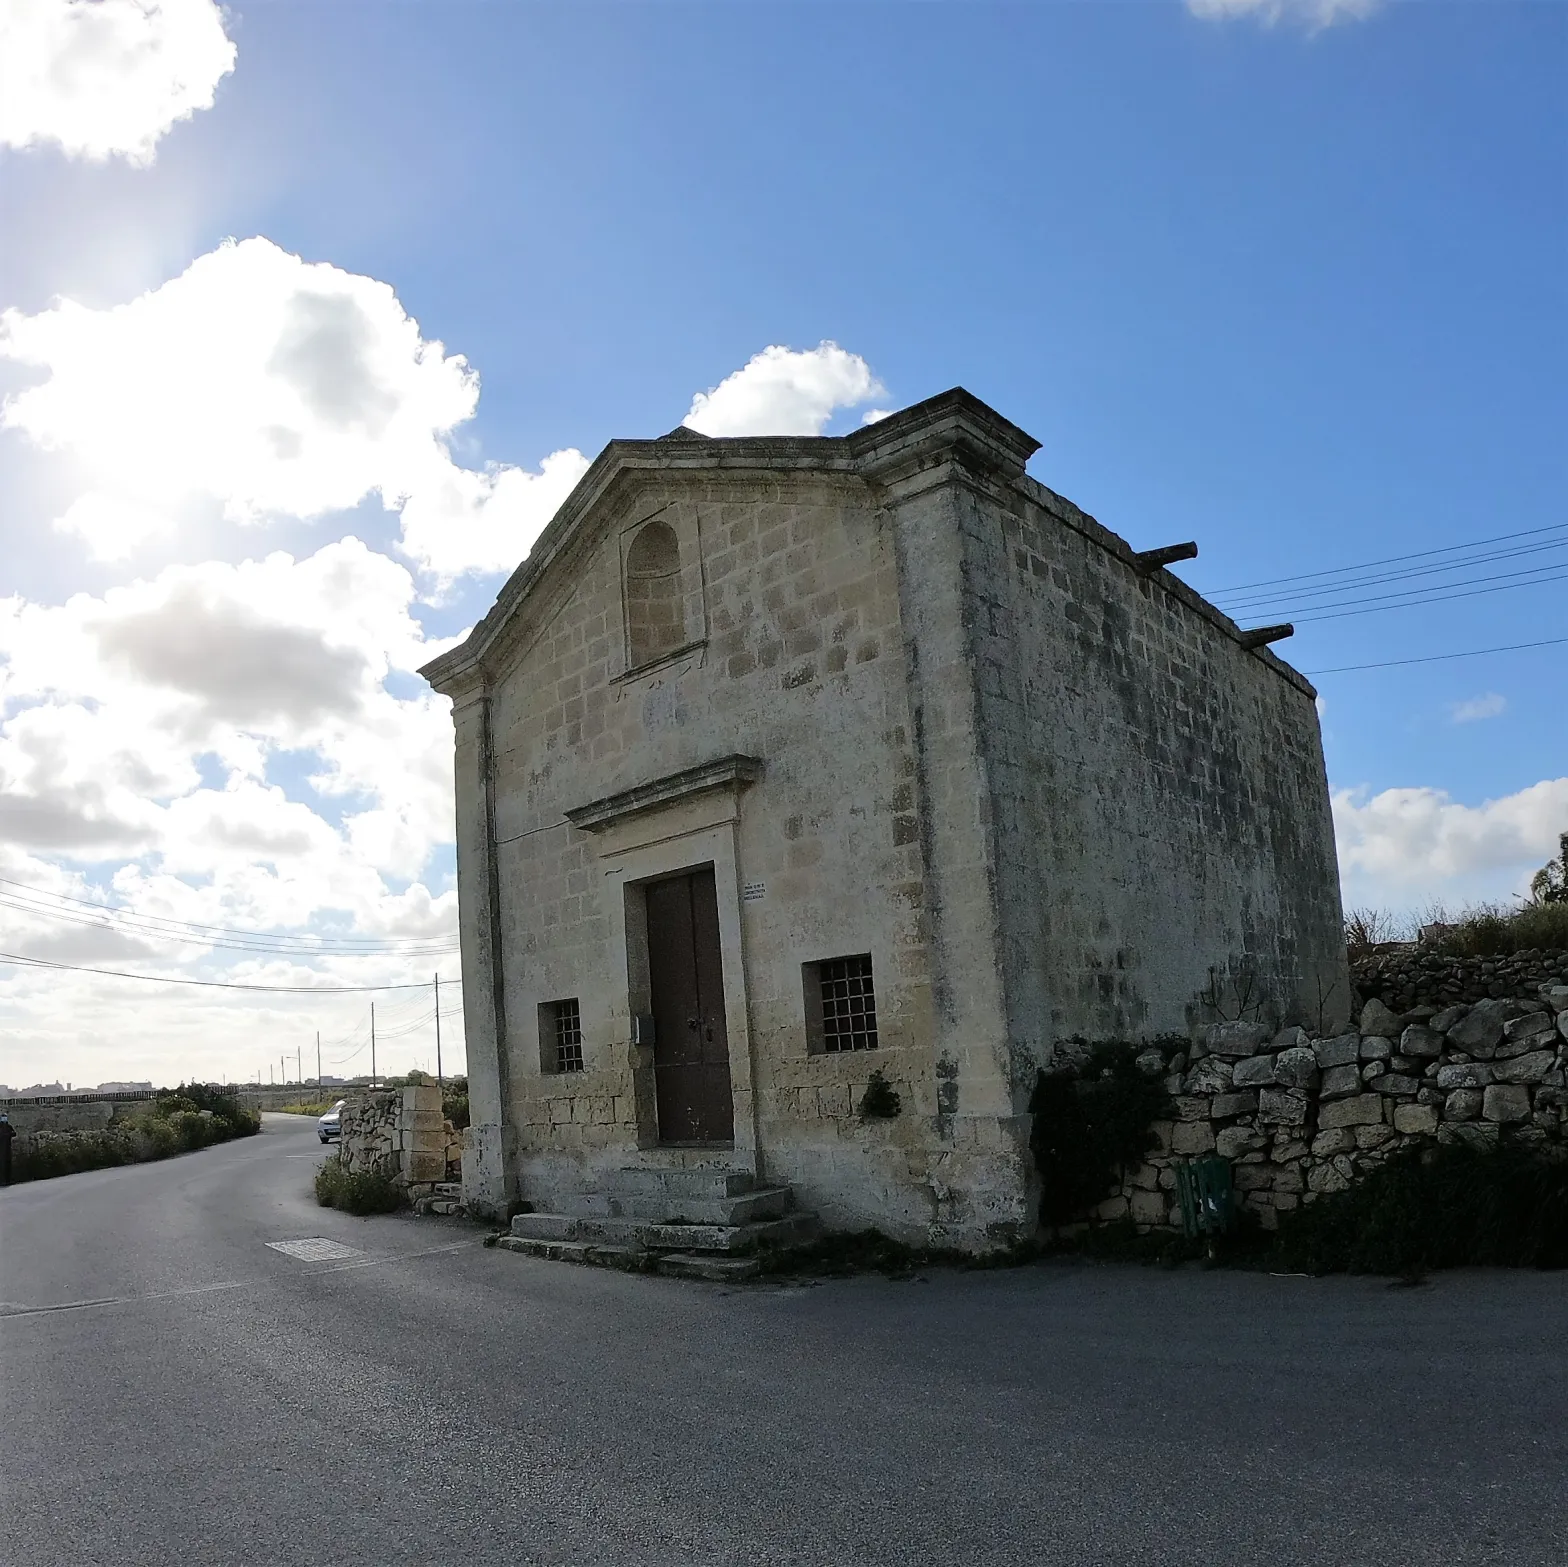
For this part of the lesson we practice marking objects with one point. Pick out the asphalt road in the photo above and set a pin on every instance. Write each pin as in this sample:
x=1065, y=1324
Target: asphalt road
x=174, y=1391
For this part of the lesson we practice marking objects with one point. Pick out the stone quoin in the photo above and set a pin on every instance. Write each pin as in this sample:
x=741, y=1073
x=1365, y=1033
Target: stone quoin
x=785, y=760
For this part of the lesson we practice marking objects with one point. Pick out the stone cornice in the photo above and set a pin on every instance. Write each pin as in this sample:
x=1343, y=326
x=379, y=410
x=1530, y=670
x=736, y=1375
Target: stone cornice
x=727, y=772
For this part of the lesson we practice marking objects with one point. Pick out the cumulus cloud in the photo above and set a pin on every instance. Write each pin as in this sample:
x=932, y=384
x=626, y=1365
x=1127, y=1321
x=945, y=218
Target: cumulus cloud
x=1312, y=13
x=1406, y=844
x=1479, y=707
x=785, y=391
x=285, y=388
x=105, y=78
x=279, y=387
x=110, y=704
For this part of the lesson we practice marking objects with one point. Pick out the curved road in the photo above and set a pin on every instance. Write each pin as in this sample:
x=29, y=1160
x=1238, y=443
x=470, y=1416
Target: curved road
x=175, y=1391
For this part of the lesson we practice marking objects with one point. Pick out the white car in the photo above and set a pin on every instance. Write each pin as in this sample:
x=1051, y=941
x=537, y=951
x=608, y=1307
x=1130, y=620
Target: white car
x=330, y=1125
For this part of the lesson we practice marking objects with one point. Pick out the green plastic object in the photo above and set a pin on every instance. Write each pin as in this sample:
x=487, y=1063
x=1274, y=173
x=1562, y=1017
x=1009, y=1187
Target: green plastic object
x=1207, y=1198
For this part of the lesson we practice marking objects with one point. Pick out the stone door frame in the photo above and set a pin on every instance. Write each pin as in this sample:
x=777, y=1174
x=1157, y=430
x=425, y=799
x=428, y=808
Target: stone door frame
x=649, y=845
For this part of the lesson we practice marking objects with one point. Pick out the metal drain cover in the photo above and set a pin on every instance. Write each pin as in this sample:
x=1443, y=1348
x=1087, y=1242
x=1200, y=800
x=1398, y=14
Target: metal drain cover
x=316, y=1249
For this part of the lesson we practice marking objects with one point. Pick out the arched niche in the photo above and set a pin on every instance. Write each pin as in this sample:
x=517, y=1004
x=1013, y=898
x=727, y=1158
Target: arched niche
x=655, y=616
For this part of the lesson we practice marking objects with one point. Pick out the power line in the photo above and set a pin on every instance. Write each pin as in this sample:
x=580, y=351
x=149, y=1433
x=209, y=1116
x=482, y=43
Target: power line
x=1234, y=605
x=210, y=984
x=261, y=945
x=1437, y=598
x=1388, y=560
x=160, y=925
x=1436, y=658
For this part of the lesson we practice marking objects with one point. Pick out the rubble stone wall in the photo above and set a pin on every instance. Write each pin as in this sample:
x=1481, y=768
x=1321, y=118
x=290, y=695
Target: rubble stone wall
x=1407, y=976
x=401, y=1133
x=1299, y=1116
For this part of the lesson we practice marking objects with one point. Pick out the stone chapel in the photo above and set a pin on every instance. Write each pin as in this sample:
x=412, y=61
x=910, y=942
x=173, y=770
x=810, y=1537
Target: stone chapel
x=785, y=761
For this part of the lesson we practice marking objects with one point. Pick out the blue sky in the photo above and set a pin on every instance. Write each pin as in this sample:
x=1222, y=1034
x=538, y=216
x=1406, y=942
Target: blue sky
x=1294, y=290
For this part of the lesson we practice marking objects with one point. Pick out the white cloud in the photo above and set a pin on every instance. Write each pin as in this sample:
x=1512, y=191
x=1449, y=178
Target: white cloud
x=286, y=388
x=1404, y=845
x=107, y=77
x=281, y=388
x=486, y=522
x=228, y=744
x=1315, y=14
x=111, y=702
x=1479, y=707
x=785, y=391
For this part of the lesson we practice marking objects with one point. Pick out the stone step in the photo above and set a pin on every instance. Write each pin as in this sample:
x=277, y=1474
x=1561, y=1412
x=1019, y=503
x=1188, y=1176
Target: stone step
x=675, y=1264
x=768, y=1202
x=628, y=1258
x=680, y=1181
x=792, y=1229
x=716, y=1270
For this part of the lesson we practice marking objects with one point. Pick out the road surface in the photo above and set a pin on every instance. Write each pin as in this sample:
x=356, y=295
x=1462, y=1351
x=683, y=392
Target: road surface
x=177, y=1391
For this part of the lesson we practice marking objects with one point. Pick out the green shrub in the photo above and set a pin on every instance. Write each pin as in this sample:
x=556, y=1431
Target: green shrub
x=1444, y=1207
x=881, y=1101
x=454, y=1102
x=1092, y=1120
x=364, y=1192
x=1493, y=930
x=152, y=1129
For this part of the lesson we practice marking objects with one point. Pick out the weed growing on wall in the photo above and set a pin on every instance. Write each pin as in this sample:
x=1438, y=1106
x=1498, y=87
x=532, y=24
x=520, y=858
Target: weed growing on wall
x=1093, y=1119
x=881, y=1101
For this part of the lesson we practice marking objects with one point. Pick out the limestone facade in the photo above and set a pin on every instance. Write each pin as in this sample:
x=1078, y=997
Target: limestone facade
x=909, y=709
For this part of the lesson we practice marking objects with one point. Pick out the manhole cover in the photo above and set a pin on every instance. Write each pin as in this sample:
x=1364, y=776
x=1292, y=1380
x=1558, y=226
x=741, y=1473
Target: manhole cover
x=316, y=1249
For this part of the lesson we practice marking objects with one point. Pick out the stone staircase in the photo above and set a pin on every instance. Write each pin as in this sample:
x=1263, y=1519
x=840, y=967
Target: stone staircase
x=696, y=1222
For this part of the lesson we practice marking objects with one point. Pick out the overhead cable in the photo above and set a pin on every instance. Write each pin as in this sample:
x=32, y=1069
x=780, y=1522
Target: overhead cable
x=1388, y=560
x=209, y=984
x=1436, y=658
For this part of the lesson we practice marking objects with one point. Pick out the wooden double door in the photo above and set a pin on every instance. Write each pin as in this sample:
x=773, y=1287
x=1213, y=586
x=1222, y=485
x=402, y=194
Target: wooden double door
x=691, y=1048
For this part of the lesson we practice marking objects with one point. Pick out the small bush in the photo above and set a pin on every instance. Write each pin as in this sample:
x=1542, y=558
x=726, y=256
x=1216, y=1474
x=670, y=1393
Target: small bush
x=454, y=1102
x=1091, y=1121
x=1444, y=1207
x=364, y=1192
x=881, y=1101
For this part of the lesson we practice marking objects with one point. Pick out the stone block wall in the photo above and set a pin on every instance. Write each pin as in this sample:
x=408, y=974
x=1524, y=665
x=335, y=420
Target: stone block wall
x=1299, y=1116
x=401, y=1133
x=1408, y=975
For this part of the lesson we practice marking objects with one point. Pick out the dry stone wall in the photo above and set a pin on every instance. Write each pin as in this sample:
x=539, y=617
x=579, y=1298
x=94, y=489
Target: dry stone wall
x=1299, y=1116
x=1406, y=976
x=401, y=1133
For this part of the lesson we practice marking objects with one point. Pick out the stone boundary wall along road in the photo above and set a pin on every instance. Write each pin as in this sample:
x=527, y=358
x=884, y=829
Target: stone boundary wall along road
x=1299, y=1116
x=401, y=1133
x=1407, y=976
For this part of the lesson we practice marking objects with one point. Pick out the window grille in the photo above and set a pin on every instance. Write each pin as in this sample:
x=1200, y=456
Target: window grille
x=848, y=1004
x=568, y=1036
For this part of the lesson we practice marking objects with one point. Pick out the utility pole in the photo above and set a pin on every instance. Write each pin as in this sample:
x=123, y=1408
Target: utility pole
x=299, y=1068
x=439, y=1083
x=372, y=1044
x=318, y=1063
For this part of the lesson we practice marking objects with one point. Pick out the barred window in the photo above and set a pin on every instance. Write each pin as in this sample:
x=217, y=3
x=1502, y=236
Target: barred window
x=568, y=1021
x=841, y=1005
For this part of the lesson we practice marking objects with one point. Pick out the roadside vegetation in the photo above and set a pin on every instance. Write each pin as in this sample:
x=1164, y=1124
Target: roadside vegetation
x=1483, y=930
x=192, y=1116
x=307, y=1107
x=364, y=1192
